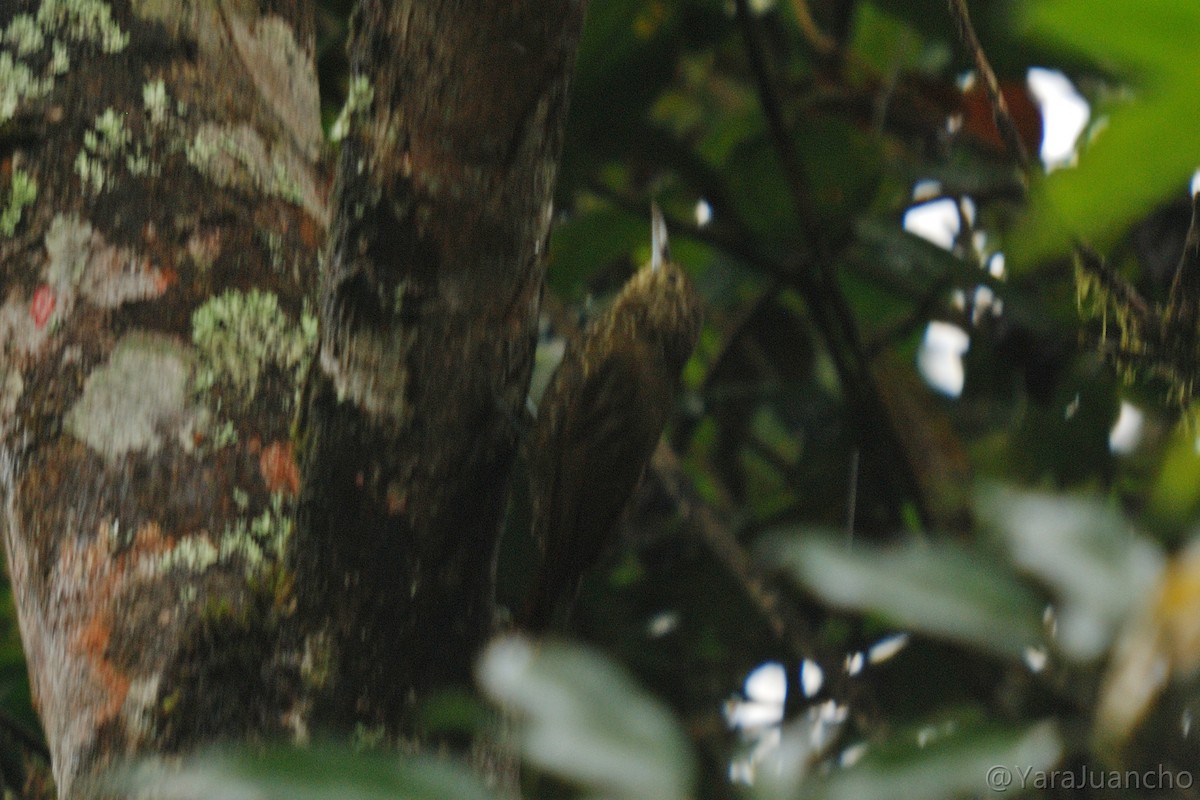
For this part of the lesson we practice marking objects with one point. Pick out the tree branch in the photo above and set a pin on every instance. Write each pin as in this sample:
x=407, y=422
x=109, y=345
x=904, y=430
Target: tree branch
x=1004, y=120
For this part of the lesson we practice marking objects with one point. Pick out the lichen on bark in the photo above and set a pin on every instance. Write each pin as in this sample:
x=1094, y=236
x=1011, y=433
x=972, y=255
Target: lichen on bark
x=208, y=538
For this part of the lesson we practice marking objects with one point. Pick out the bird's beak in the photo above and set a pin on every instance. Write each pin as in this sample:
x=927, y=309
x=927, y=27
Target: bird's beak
x=660, y=248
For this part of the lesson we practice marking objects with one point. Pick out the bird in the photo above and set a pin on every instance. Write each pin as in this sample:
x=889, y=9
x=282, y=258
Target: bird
x=600, y=419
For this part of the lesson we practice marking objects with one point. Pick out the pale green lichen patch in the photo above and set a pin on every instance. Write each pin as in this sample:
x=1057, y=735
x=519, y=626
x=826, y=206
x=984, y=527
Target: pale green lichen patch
x=109, y=143
x=238, y=335
x=18, y=84
x=22, y=193
x=60, y=58
x=24, y=34
x=106, y=144
x=257, y=542
x=12, y=386
x=137, y=399
x=234, y=156
x=191, y=553
x=83, y=22
x=109, y=135
x=359, y=96
x=237, y=157
x=156, y=102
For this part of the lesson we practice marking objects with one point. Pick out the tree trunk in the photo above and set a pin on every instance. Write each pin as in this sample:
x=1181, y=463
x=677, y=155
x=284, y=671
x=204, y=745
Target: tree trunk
x=250, y=491
x=429, y=301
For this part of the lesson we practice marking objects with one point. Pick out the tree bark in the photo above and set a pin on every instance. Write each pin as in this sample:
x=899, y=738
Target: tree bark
x=429, y=306
x=237, y=505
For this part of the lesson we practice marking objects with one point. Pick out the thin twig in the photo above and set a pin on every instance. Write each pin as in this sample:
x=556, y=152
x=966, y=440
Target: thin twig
x=787, y=627
x=1113, y=283
x=772, y=106
x=817, y=39
x=1004, y=120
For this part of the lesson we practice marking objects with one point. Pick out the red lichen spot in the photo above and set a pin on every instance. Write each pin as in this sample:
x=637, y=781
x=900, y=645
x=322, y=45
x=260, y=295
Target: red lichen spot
x=279, y=470
x=42, y=306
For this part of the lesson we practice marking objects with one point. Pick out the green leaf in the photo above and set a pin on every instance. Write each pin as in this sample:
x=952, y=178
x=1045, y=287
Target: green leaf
x=843, y=166
x=1146, y=148
x=1175, y=494
x=939, y=590
x=918, y=261
x=1085, y=552
x=948, y=765
x=319, y=773
x=584, y=720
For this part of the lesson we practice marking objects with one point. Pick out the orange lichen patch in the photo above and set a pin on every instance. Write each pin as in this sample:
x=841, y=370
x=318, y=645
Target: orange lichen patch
x=164, y=279
x=93, y=640
x=149, y=541
x=278, y=466
x=91, y=577
x=310, y=232
x=397, y=500
x=254, y=444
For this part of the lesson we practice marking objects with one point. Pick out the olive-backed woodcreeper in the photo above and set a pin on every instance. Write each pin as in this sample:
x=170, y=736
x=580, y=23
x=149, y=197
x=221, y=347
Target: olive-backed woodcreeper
x=601, y=418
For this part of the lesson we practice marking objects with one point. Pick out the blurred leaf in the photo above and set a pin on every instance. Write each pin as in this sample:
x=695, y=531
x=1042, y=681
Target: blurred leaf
x=963, y=175
x=318, y=773
x=1085, y=552
x=1159, y=644
x=1065, y=440
x=454, y=711
x=843, y=166
x=884, y=41
x=583, y=244
x=1146, y=148
x=917, y=261
x=939, y=590
x=1174, y=498
x=992, y=20
x=952, y=765
x=759, y=191
x=586, y=721
x=938, y=459
x=626, y=58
